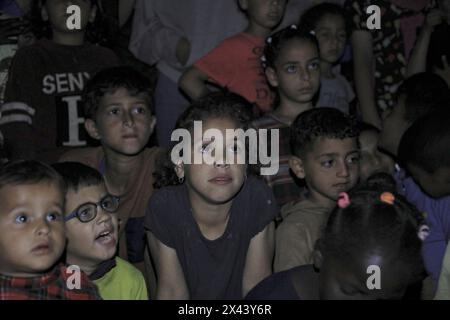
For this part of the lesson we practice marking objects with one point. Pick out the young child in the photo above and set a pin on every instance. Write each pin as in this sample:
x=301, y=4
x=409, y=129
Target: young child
x=357, y=240
x=32, y=236
x=326, y=155
x=329, y=23
x=419, y=95
x=42, y=113
x=118, y=108
x=291, y=60
x=373, y=160
x=423, y=151
x=211, y=232
x=92, y=231
x=235, y=63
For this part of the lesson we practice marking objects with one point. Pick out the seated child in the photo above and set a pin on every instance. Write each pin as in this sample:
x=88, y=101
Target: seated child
x=424, y=152
x=373, y=160
x=119, y=114
x=32, y=236
x=356, y=254
x=92, y=229
x=42, y=116
x=291, y=61
x=210, y=232
x=329, y=23
x=235, y=64
x=326, y=155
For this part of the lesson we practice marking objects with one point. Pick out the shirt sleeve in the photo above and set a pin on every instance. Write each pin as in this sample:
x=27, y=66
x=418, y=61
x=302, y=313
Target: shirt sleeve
x=292, y=246
x=158, y=218
x=219, y=64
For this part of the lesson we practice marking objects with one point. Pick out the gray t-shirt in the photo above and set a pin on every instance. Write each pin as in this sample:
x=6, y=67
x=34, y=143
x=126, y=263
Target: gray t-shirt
x=335, y=93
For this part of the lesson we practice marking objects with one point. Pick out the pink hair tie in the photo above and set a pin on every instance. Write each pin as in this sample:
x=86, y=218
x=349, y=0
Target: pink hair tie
x=344, y=200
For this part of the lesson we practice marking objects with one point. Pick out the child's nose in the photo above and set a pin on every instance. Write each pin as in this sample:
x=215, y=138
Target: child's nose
x=128, y=119
x=343, y=170
x=43, y=227
x=103, y=216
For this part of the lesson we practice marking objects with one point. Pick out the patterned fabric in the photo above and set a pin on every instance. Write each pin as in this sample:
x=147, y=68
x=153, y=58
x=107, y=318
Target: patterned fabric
x=285, y=186
x=391, y=44
x=51, y=286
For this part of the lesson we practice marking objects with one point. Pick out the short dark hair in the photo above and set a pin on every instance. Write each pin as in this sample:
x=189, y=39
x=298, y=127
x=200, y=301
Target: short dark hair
x=369, y=223
x=311, y=17
x=426, y=143
x=26, y=172
x=424, y=92
x=221, y=104
x=111, y=79
x=77, y=175
x=320, y=122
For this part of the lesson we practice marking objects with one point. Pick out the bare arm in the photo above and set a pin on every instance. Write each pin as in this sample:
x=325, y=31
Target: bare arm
x=258, y=264
x=193, y=83
x=171, y=282
x=364, y=76
x=418, y=60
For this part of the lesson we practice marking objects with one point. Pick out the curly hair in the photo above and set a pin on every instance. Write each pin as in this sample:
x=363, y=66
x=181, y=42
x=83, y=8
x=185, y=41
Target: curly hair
x=216, y=105
x=320, y=122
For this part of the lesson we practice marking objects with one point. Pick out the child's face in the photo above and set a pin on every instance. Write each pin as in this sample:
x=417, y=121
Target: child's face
x=372, y=159
x=32, y=235
x=56, y=12
x=297, y=72
x=264, y=13
x=90, y=243
x=394, y=126
x=330, y=167
x=436, y=184
x=349, y=280
x=218, y=183
x=331, y=35
x=123, y=123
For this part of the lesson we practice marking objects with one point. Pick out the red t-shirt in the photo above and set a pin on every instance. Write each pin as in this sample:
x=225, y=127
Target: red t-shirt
x=236, y=65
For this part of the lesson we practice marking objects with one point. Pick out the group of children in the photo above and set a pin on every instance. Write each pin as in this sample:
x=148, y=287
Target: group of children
x=337, y=206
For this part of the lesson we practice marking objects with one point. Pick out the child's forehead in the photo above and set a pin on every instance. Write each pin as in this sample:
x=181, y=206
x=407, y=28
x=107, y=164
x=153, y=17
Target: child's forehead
x=323, y=144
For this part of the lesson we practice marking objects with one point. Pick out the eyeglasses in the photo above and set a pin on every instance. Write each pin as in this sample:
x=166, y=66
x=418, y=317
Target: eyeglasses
x=88, y=211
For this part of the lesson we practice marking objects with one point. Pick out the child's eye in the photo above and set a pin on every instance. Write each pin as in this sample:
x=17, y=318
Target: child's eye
x=327, y=163
x=353, y=159
x=21, y=219
x=139, y=110
x=114, y=111
x=54, y=216
x=314, y=66
x=206, y=147
x=290, y=69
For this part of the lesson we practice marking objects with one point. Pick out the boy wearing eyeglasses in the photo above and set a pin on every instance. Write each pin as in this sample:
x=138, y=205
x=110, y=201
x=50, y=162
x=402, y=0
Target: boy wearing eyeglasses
x=92, y=234
x=32, y=236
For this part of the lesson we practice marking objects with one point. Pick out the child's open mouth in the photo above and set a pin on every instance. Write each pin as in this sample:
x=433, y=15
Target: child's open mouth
x=106, y=238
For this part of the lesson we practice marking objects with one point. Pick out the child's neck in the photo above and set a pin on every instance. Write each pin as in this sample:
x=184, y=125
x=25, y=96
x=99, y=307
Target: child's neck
x=287, y=111
x=87, y=267
x=257, y=30
x=321, y=201
x=121, y=171
x=68, y=39
x=326, y=70
x=212, y=219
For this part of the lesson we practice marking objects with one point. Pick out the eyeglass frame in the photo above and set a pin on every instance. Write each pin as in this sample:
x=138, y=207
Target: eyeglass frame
x=74, y=214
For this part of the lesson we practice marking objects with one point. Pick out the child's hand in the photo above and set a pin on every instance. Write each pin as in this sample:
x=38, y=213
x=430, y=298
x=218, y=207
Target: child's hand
x=445, y=72
x=183, y=51
x=434, y=18
x=10, y=28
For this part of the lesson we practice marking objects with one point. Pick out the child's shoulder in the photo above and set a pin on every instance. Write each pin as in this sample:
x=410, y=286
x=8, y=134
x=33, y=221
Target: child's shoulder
x=88, y=156
x=128, y=270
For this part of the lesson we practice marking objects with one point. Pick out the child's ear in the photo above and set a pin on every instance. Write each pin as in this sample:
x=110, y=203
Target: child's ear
x=93, y=14
x=297, y=167
x=272, y=77
x=152, y=123
x=92, y=129
x=243, y=4
x=179, y=169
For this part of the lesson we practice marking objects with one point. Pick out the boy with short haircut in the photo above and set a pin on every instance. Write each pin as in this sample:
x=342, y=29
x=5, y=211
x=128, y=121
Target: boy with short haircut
x=32, y=236
x=92, y=229
x=118, y=107
x=324, y=143
x=235, y=64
